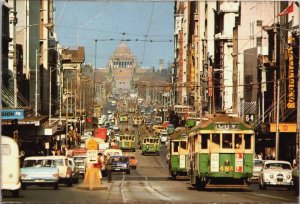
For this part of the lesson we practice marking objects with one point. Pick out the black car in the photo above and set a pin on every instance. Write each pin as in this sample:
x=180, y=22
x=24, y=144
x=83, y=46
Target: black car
x=120, y=163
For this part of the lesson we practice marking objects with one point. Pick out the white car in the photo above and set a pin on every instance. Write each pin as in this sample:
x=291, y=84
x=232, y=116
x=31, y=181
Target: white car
x=65, y=170
x=275, y=173
x=164, y=137
x=257, y=166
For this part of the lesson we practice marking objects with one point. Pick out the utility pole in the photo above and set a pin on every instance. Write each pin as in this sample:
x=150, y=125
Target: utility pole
x=277, y=121
x=67, y=112
x=94, y=77
x=36, y=82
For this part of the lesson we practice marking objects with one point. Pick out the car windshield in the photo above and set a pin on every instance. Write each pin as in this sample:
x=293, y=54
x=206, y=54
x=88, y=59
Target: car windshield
x=278, y=166
x=33, y=163
x=257, y=162
x=120, y=159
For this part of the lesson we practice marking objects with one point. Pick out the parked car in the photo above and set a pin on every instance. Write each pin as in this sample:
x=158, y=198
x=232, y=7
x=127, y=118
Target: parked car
x=120, y=163
x=79, y=163
x=74, y=168
x=132, y=162
x=39, y=171
x=65, y=172
x=275, y=173
x=257, y=166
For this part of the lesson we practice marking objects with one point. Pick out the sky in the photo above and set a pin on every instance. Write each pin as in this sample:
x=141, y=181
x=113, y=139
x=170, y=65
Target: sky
x=80, y=22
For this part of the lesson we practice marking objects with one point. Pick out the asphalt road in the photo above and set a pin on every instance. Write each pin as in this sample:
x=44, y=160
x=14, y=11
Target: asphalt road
x=149, y=183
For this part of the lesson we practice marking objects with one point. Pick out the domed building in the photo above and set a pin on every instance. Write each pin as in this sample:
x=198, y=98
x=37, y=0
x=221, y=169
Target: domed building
x=124, y=73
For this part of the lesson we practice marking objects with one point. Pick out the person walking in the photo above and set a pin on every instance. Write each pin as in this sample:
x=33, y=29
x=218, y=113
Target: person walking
x=108, y=168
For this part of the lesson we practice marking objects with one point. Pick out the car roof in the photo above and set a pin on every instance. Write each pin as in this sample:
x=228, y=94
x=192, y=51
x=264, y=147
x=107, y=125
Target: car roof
x=276, y=161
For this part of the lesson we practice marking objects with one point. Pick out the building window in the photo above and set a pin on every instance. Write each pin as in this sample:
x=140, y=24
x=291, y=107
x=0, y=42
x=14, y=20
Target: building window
x=259, y=23
x=258, y=41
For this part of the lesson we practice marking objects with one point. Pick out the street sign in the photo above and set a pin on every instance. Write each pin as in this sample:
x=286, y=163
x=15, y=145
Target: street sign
x=92, y=156
x=47, y=145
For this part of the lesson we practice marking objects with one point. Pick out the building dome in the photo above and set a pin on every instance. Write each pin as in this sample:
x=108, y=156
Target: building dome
x=123, y=52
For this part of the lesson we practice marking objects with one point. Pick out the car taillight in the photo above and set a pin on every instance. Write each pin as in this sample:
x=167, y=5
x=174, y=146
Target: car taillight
x=55, y=175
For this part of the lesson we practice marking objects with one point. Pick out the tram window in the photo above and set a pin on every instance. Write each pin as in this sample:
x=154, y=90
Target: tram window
x=247, y=141
x=204, y=139
x=183, y=145
x=216, y=138
x=175, y=147
x=238, y=141
x=227, y=141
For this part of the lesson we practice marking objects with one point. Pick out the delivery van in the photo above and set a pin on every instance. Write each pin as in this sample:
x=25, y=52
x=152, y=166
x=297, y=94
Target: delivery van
x=10, y=165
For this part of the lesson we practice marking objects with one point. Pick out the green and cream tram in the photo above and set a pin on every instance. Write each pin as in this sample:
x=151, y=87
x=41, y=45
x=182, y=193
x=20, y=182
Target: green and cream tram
x=221, y=153
x=178, y=161
x=127, y=142
x=150, y=145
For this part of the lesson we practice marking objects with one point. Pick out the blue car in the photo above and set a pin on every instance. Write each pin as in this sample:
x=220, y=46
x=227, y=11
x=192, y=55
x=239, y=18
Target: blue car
x=39, y=171
x=120, y=164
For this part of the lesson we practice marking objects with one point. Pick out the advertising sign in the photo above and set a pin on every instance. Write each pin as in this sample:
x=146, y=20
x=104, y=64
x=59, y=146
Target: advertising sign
x=291, y=92
x=12, y=114
x=238, y=162
x=182, y=161
x=101, y=133
x=214, y=164
x=210, y=82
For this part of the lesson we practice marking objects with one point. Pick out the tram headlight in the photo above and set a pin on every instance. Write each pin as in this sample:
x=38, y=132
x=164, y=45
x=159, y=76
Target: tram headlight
x=226, y=162
x=288, y=176
x=271, y=176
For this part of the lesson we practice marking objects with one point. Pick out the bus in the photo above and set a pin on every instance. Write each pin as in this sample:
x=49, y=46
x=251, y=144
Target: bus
x=178, y=151
x=10, y=165
x=221, y=153
x=150, y=145
x=127, y=142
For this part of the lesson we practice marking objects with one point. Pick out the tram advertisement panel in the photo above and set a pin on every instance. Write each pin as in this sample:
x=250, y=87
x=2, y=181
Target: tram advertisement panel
x=214, y=163
x=239, y=162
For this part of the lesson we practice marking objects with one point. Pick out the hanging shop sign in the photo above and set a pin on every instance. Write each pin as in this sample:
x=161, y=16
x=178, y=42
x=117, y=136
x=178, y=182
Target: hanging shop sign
x=210, y=82
x=291, y=102
x=12, y=114
x=284, y=127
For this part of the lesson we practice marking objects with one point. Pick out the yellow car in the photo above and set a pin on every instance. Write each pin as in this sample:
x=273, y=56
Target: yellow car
x=158, y=128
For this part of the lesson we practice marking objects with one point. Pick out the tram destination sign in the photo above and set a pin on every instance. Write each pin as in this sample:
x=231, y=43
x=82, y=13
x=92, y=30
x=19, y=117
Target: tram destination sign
x=226, y=126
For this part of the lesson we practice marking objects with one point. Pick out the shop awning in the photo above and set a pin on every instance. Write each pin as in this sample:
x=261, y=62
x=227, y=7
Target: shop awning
x=33, y=120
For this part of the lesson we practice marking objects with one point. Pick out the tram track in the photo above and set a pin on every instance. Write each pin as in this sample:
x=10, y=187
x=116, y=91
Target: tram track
x=126, y=190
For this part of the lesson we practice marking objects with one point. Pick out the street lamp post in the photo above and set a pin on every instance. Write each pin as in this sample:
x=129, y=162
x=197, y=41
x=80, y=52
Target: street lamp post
x=50, y=96
x=36, y=76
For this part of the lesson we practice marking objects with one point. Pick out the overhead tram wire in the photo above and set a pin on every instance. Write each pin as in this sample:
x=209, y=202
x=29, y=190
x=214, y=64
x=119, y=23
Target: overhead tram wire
x=149, y=25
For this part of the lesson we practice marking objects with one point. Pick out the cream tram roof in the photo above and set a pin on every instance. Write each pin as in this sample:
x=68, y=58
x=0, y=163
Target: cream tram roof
x=222, y=119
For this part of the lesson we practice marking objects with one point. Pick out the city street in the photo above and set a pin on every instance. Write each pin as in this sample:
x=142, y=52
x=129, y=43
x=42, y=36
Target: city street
x=150, y=183
x=184, y=101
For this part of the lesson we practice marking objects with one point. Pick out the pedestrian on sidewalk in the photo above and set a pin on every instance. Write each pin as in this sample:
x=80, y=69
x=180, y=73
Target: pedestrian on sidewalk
x=108, y=168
